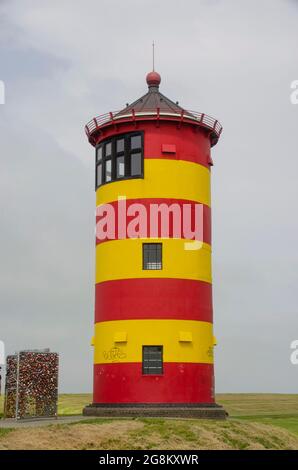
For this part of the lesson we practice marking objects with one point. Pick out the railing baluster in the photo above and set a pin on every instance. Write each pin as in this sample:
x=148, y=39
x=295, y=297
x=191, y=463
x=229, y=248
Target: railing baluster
x=202, y=118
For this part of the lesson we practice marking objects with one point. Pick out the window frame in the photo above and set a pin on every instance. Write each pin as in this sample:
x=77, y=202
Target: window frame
x=144, y=245
x=127, y=153
x=162, y=360
x=105, y=159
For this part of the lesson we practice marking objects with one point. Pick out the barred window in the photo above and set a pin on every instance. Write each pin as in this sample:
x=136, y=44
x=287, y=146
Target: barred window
x=119, y=157
x=152, y=360
x=152, y=255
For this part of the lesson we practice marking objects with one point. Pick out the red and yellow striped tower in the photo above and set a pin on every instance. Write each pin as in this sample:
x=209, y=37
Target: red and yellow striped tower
x=153, y=340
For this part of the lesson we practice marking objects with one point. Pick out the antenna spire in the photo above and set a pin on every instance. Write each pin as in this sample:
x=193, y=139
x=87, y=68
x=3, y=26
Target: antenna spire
x=153, y=55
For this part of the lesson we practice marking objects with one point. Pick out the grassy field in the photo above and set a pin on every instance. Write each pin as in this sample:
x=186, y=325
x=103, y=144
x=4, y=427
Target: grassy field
x=272, y=409
x=256, y=421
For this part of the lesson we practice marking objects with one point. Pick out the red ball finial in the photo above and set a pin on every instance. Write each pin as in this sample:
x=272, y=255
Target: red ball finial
x=153, y=78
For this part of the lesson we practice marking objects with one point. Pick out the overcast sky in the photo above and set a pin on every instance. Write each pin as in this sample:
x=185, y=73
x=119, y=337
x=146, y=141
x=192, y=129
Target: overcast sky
x=65, y=61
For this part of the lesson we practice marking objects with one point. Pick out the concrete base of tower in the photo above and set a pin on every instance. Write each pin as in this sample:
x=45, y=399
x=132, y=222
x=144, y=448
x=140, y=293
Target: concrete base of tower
x=169, y=410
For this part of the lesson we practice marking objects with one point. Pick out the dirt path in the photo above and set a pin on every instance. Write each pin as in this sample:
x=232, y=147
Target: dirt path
x=33, y=423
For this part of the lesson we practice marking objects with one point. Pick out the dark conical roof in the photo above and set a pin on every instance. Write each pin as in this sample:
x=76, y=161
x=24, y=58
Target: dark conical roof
x=153, y=99
x=153, y=106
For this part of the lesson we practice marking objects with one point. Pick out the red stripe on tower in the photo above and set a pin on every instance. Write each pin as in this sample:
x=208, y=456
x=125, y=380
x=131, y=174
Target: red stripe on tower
x=180, y=383
x=180, y=299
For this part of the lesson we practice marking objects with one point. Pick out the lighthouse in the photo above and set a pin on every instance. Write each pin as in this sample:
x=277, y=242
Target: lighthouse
x=153, y=333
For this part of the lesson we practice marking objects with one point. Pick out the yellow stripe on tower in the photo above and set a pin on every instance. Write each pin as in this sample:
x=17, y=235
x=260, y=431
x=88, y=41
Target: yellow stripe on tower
x=182, y=340
x=163, y=178
x=122, y=259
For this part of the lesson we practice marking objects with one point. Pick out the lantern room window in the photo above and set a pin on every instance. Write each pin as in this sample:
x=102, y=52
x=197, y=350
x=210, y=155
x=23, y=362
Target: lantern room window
x=120, y=157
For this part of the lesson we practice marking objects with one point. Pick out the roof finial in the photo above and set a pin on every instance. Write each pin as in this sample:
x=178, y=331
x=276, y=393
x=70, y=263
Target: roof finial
x=153, y=55
x=153, y=78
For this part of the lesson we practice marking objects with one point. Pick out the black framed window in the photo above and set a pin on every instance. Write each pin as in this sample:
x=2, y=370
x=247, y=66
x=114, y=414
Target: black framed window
x=152, y=255
x=119, y=157
x=99, y=174
x=136, y=163
x=152, y=360
x=107, y=170
x=120, y=167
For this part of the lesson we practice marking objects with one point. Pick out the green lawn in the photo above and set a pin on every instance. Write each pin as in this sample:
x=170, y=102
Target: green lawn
x=287, y=422
x=73, y=404
x=248, y=404
x=274, y=409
